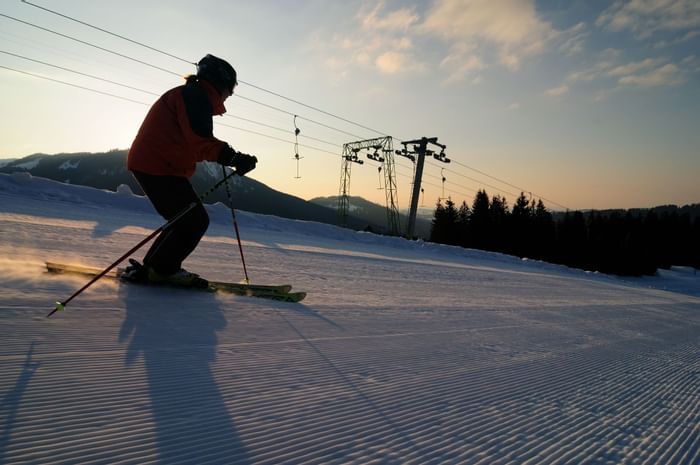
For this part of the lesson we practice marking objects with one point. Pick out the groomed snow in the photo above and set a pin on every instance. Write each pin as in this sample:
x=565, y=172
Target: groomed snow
x=403, y=352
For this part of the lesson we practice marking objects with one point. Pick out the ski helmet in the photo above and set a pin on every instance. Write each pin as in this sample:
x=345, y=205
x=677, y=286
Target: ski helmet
x=218, y=72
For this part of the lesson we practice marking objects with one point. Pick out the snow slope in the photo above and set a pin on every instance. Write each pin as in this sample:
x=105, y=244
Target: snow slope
x=403, y=352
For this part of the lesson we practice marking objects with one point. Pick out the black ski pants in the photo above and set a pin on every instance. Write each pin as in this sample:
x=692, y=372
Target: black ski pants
x=171, y=195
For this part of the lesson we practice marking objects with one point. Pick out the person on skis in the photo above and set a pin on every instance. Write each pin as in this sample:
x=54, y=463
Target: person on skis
x=176, y=134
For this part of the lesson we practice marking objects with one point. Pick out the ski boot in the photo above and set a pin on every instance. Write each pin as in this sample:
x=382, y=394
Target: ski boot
x=135, y=272
x=181, y=278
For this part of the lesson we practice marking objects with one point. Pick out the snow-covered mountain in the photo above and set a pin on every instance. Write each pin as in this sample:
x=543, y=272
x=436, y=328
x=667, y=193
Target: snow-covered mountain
x=108, y=170
x=6, y=161
x=404, y=352
x=374, y=213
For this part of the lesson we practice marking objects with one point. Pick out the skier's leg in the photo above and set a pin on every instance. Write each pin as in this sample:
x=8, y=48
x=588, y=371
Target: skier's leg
x=170, y=195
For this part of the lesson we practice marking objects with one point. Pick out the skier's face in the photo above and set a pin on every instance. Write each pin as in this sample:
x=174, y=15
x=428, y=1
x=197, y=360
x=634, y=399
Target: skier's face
x=226, y=94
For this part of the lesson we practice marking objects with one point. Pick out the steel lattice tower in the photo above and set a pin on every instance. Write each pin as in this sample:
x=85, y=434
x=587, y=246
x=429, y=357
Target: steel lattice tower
x=383, y=153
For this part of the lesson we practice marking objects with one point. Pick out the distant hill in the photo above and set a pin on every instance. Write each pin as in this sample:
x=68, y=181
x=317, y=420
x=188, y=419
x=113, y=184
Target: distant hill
x=375, y=213
x=692, y=210
x=108, y=171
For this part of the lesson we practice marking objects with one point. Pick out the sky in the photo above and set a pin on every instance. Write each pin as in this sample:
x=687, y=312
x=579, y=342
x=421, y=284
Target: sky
x=583, y=104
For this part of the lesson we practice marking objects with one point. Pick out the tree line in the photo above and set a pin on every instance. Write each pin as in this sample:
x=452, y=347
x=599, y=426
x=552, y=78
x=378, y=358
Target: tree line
x=631, y=242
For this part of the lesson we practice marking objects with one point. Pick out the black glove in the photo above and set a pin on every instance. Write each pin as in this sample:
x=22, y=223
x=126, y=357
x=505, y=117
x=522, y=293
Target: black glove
x=242, y=162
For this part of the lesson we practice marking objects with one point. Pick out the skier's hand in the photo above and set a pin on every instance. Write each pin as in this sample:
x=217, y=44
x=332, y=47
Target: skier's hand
x=242, y=162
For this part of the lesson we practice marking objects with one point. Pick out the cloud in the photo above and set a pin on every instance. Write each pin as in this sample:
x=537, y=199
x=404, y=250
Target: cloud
x=461, y=61
x=678, y=40
x=607, y=60
x=392, y=62
x=557, y=91
x=647, y=17
x=665, y=75
x=511, y=26
x=462, y=38
x=382, y=43
x=399, y=20
x=631, y=68
x=609, y=66
x=611, y=75
x=573, y=39
x=691, y=63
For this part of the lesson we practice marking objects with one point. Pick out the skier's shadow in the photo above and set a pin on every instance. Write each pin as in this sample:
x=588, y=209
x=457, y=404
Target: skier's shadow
x=10, y=403
x=177, y=345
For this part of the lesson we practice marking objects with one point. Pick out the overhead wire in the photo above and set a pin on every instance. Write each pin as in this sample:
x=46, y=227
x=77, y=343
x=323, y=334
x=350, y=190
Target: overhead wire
x=106, y=31
x=146, y=104
x=509, y=184
x=109, y=81
x=434, y=185
x=172, y=72
x=262, y=89
x=120, y=97
x=276, y=94
x=272, y=107
x=92, y=76
x=478, y=181
x=74, y=85
x=65, y=36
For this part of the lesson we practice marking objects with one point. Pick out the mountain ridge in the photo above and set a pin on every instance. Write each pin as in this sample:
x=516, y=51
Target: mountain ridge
x=107, y=170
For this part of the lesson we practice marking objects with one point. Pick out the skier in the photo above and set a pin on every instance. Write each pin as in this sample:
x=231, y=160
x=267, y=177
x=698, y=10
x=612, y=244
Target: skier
x=175, y=135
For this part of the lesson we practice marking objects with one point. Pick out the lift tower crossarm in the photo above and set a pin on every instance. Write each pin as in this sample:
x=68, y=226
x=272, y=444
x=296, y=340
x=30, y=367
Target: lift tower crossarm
x=420, y=148
x=350, y=156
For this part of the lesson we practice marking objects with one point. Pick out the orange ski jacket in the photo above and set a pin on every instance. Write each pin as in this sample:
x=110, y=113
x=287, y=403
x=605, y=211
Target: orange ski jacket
x=178, y=131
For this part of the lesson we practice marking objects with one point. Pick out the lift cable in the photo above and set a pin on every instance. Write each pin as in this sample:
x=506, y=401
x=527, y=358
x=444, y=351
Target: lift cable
x=509, y=184
x=80, y=73
x=109, y=81
x=172, y=73
x=192, y=63
x=109, y=94
x=107, y=32
x=74, y=85
x=91, y=45
x=276, y=94
x=478, y=181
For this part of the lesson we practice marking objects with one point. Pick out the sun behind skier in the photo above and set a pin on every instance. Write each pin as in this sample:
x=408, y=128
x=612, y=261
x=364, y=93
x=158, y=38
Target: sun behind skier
x=176, y=134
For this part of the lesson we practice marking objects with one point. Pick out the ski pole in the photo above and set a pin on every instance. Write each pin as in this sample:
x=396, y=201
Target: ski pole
x=62, y=304
x=235, y=226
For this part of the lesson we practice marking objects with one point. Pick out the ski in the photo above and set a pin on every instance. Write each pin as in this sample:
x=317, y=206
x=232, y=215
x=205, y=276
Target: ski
x=274, y=292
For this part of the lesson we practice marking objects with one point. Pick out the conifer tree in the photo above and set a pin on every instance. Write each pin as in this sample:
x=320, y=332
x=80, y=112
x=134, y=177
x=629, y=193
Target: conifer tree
x=463, y=216
x=437, y=228
x=499, y=215
x=572, y=238
x=480, y=220
x=444, y=224
x=520, y=228
x=544, y=232
x=451, y=219
x=522, y=209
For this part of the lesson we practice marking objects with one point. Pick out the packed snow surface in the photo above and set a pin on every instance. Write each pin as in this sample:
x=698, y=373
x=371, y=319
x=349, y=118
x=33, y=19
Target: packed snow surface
x=404, y=352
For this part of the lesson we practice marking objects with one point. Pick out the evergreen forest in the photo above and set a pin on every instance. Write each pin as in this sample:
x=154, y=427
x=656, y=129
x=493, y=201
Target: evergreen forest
x=621, y=242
